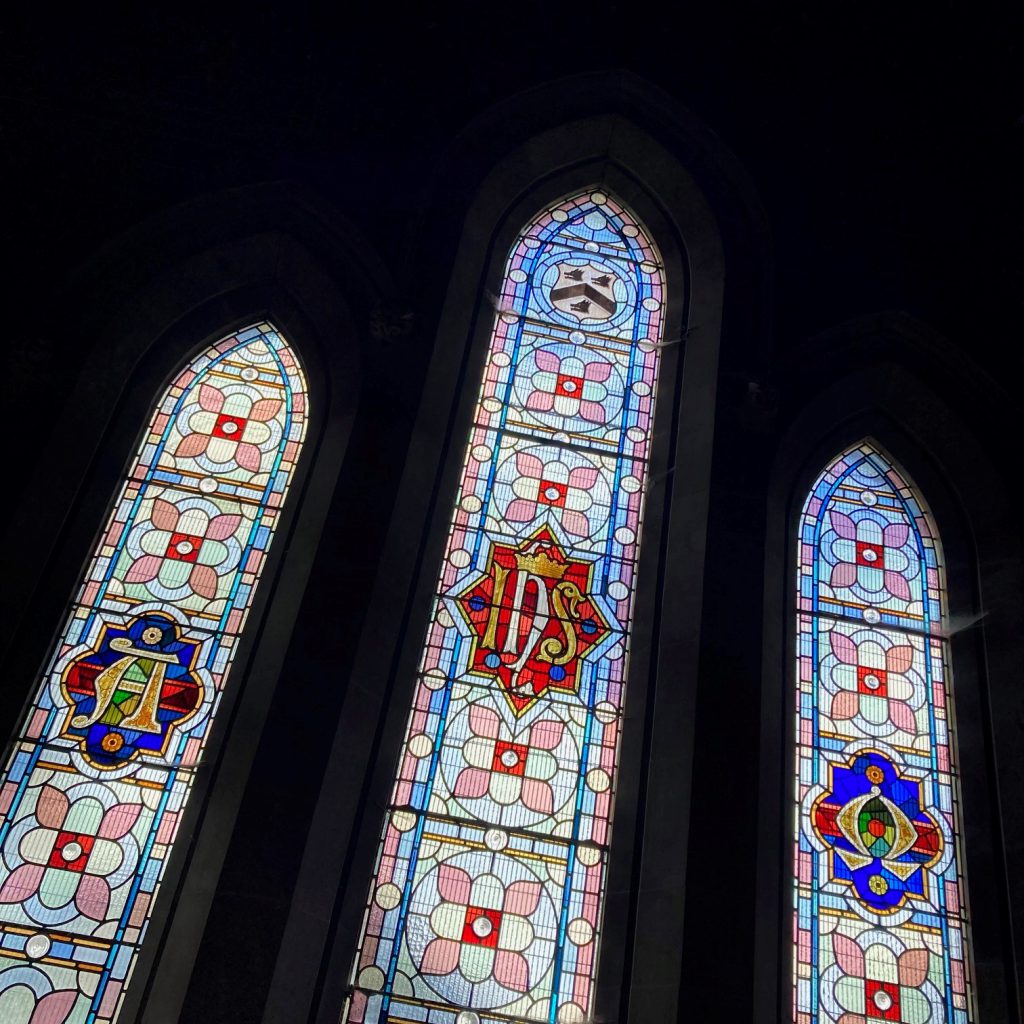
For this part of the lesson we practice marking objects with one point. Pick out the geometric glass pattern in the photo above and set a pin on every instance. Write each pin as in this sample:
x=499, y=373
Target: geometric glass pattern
x=880, y=914
x=487, y=893
x=101, y=768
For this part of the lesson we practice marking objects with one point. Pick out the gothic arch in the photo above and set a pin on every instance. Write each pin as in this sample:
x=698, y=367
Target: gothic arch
x=878, y=397
x=149, y=301
x=646, y=889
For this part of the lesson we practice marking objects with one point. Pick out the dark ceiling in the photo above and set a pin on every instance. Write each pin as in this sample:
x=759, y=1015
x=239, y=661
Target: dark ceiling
x=884, y=140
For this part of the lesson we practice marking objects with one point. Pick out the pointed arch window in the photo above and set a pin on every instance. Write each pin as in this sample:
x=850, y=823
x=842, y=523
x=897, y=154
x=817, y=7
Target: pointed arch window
x=488, y=890
x=105, y=759
x=880, y=912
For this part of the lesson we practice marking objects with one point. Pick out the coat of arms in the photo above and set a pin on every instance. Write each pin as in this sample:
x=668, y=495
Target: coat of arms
x=585, y=291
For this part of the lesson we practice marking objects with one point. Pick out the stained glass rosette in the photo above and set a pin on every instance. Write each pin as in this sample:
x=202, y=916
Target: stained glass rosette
x=103, y=763
x=880, y=918
x=486, y=900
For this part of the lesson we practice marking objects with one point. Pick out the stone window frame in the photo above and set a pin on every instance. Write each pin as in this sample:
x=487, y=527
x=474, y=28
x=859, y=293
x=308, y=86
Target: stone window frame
x=639, y=971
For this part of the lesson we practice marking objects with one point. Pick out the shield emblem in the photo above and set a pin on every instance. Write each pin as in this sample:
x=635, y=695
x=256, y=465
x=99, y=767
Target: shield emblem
x=585, y=291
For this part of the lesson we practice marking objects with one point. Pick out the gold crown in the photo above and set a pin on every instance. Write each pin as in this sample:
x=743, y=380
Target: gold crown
x=540, y=564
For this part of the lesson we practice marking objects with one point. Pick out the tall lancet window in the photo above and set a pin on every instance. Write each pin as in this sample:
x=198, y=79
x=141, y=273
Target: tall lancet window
x=102, y=766
x=879, y=898
x=486, y=901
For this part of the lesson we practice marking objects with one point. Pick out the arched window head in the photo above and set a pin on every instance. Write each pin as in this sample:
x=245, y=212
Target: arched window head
x=487, y=898
x=104, y=761
x=879, y=896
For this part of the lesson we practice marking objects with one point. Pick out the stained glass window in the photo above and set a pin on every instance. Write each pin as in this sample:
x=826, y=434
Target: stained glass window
x=486, y=900
x=102, y=766
x=879, y=898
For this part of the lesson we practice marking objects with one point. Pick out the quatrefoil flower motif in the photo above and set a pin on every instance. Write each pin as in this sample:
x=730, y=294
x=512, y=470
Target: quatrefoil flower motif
x=875, y=683
x=870, y=555
x=73, y=851
x=189, y=544
x=229, y=426
x=568, y=386
x=482, y=926
x=506, y=770
x=878, y=983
